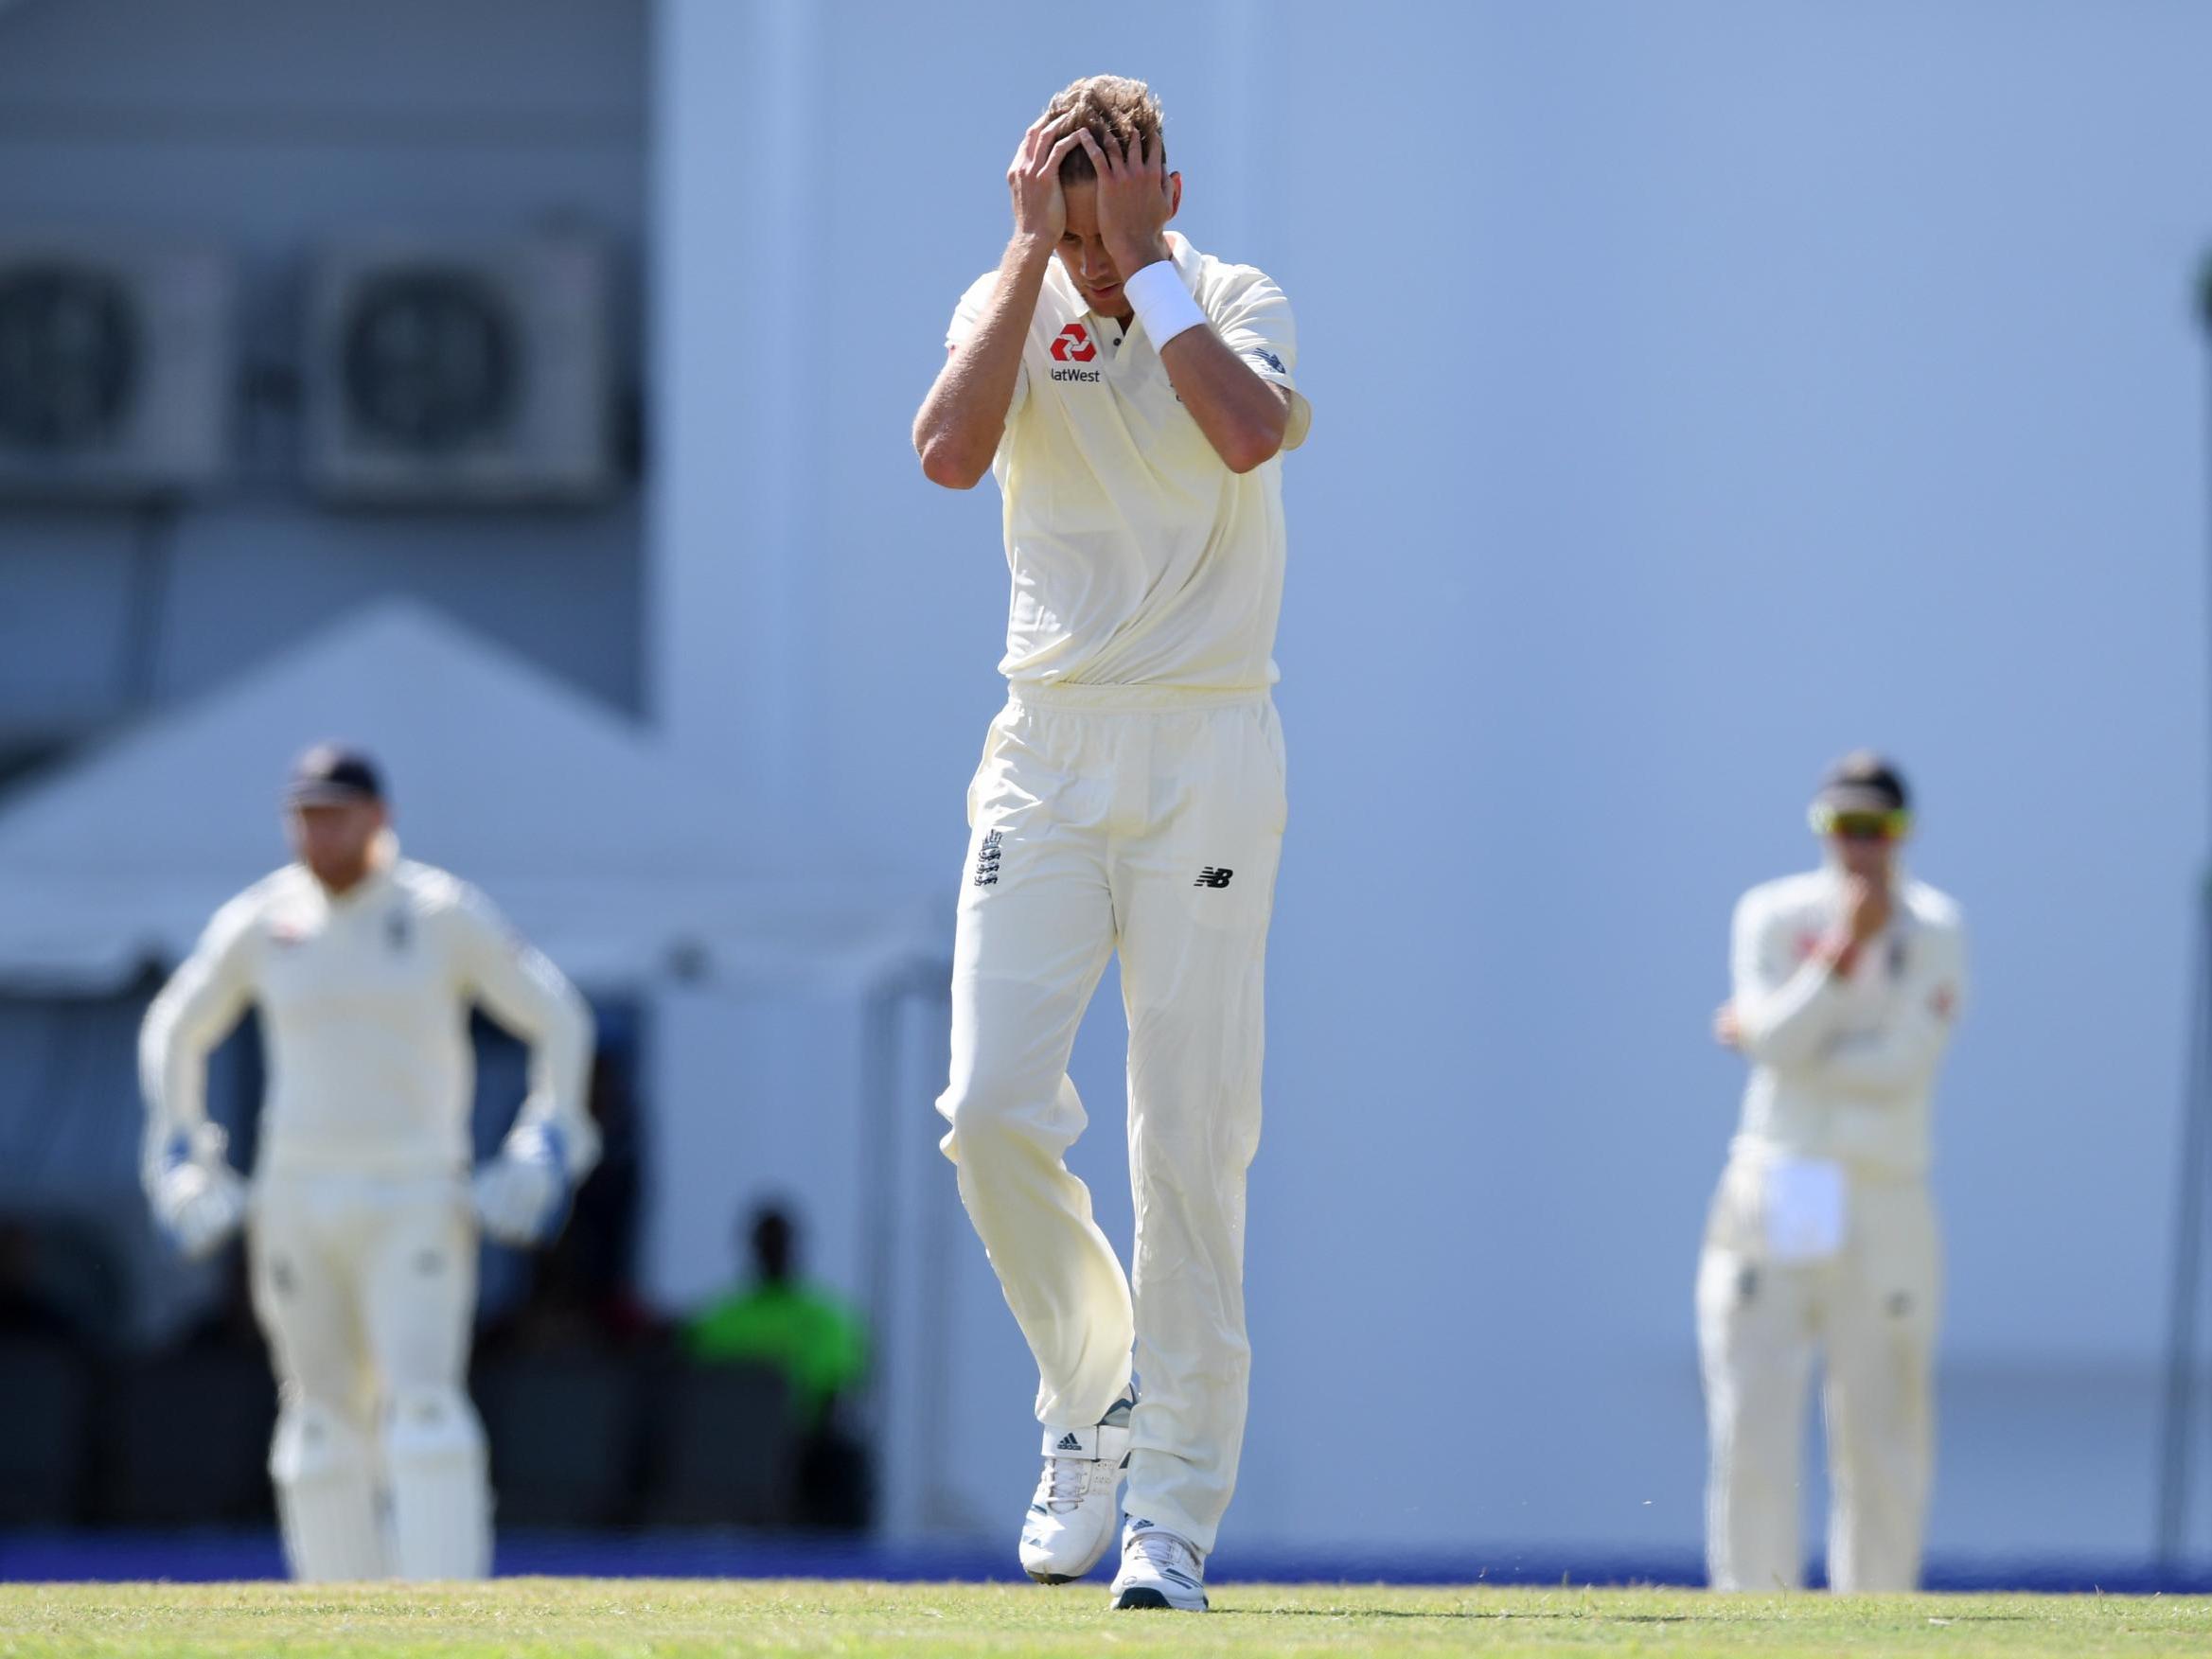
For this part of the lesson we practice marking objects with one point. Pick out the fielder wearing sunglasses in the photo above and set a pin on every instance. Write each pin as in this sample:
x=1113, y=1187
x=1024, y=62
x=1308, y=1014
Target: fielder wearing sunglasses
x=1821, y=1240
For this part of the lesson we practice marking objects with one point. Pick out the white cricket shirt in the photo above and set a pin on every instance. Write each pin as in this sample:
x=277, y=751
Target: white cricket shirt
x=365, y=1003
x=1138, y=557
x=1844, y=1067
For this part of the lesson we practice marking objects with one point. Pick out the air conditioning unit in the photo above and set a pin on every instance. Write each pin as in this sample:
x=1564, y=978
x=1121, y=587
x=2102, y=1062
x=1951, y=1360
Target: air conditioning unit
x=451, y=373
x=116, y=367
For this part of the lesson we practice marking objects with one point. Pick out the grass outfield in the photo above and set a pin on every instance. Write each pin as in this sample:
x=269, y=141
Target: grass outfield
x=534, y=1617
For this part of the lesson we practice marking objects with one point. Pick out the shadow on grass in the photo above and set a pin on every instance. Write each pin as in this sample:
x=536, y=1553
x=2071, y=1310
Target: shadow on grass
x=1497, y=1612
x=1722, y=1614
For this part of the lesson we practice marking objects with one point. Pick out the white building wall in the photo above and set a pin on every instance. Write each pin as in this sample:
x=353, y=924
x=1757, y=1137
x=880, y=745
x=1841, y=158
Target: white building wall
x=261, y=129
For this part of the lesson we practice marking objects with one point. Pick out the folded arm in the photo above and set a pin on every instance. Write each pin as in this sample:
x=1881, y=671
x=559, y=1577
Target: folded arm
x=1246, y=417
x=1243, y=416
x=1900, y=1056
x=1785, y=1009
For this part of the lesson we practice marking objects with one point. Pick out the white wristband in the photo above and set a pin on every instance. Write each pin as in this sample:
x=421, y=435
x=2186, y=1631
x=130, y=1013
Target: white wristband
x=1162, y=304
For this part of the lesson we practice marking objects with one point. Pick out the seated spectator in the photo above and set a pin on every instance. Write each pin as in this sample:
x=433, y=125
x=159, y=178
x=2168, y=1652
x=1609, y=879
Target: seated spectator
x=821, y=1345
x=806, y=1332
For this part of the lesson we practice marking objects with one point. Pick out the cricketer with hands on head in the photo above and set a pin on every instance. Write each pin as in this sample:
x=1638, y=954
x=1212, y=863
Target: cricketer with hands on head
x=1103, y=231
x=362, y=1225
x=1132, y=395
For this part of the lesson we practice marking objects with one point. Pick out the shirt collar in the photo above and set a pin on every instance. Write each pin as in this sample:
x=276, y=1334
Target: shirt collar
x=383, y=859
x=1900, y=877
x=1901, y=882
x=1187, y=259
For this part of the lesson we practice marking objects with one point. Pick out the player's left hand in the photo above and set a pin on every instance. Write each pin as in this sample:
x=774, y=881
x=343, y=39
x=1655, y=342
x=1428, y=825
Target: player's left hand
x=1136, y=199
x=517, y=1200
x=1727, y=1029
x=205, y=1207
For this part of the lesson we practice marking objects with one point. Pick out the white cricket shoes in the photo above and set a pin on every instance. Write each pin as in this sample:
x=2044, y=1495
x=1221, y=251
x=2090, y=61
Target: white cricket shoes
x=1071, y=1519
x=1159, y=1570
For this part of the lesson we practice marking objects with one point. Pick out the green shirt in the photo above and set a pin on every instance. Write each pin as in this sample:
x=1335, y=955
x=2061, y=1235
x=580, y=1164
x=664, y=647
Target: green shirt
x=808, y=1335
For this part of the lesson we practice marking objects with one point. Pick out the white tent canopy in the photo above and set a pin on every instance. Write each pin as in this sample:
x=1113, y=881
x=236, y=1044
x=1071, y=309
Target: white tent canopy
x=571, y=818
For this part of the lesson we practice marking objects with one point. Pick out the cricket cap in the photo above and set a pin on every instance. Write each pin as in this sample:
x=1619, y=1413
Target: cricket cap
x=332, y=774
x=1862, y=781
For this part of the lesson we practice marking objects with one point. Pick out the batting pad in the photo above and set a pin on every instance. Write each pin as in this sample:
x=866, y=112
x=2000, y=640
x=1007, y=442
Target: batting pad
x=435, y=1464
x=325, y=1497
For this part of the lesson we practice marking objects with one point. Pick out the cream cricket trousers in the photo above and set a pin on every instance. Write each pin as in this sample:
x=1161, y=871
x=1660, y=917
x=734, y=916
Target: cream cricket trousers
x=1871, y=1312
x=1150, y=822
x=366, y=1288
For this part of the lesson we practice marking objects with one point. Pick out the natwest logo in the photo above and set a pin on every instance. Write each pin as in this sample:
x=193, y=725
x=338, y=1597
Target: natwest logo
x=1075, y=345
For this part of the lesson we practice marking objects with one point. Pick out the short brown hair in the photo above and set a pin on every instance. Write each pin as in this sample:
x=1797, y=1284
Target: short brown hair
x=1115, y=109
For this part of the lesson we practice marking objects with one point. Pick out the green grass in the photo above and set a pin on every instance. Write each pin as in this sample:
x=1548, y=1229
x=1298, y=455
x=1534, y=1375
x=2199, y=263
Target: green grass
x=545, y=1616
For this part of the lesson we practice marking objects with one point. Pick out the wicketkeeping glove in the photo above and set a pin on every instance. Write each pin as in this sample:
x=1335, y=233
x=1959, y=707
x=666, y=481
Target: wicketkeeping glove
x=201, y=1207
x=521, y=1196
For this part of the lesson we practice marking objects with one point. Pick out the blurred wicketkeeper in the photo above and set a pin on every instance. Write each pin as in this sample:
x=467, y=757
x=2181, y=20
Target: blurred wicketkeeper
x=361, y=1217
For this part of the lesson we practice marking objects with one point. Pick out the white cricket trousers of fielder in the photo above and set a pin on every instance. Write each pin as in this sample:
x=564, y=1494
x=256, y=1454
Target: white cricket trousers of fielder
x=366, y=1287
x=1871, y=1312
x=1149, y=820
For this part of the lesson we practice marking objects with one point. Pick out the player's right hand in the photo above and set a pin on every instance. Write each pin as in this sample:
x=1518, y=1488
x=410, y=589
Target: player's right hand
x=1727, y=1027
x=1866, y=908
x=203, y=1208
x=1040, y=206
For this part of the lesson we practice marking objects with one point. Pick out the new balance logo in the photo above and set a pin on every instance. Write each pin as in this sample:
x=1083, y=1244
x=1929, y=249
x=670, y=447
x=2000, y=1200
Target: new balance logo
x=987, y=859
x=1069, y=1443
x=1209, y=877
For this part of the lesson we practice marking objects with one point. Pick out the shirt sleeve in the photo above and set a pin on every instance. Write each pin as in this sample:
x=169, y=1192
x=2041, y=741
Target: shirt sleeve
x=1900, y=1056
x=968, y=316
x=1253, y=319
x=520, y=988
x=1785, y=1008
x=193, y=1013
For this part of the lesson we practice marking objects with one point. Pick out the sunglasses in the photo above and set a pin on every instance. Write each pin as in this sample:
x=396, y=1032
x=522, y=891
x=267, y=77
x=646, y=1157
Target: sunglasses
x=1862, y=827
